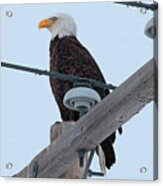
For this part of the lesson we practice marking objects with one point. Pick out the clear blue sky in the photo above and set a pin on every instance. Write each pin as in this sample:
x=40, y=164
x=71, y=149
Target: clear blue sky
x=115, y=37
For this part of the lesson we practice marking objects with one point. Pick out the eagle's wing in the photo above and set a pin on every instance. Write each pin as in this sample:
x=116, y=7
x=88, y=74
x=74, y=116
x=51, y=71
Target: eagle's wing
x=73, y=58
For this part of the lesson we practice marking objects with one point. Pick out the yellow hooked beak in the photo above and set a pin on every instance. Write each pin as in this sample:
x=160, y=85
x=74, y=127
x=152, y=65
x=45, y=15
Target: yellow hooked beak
x=46, y=23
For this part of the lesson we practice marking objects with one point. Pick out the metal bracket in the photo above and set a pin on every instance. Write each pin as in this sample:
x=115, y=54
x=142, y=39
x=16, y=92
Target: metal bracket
x=34, y=171
x=92, y=173
x=88, y=164
x=81, y=153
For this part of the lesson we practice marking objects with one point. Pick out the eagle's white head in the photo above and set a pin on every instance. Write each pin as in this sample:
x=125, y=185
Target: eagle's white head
x=61, y=25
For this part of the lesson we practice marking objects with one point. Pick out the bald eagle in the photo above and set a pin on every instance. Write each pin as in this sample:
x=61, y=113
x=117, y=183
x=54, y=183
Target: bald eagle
x=69, y=56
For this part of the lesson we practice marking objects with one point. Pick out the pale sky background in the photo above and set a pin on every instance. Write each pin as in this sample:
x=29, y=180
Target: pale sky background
x=114, y=35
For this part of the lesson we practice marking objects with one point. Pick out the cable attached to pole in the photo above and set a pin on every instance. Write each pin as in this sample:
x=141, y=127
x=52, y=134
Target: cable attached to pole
x=140, y=4
x=57, y=75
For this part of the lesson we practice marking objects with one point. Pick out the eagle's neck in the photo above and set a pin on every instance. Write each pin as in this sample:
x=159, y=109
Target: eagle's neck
x=62, y=29
x=56, y=39
x=62, y=33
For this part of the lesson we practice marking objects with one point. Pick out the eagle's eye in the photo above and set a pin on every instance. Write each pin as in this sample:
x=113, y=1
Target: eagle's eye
x=54, y=19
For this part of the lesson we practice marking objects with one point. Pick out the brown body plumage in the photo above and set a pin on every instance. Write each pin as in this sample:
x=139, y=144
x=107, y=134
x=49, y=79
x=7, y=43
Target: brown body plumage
x=68, y=56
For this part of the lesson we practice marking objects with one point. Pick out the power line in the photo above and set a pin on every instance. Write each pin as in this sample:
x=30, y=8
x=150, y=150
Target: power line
x=57, y=75
x=140, y=4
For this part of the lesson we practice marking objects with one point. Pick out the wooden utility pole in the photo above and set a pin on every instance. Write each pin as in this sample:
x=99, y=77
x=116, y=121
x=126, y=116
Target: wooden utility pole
x=100, y=122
